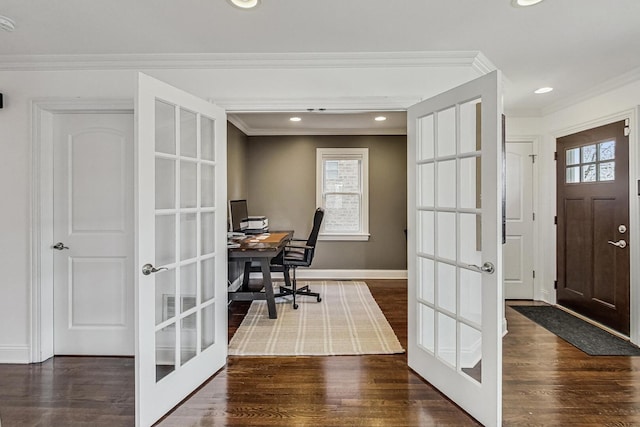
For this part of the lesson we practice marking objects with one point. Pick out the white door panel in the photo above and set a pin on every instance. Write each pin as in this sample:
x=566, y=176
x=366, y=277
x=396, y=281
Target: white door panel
x=518, y=251
x=181, y=253
x=93, y=218
x=454, y=245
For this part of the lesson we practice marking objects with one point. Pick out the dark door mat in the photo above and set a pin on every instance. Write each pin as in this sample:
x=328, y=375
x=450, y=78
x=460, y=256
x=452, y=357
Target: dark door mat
x=584, y=336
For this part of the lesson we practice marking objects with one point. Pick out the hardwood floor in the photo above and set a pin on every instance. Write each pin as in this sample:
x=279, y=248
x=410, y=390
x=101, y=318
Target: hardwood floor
x=547, y=382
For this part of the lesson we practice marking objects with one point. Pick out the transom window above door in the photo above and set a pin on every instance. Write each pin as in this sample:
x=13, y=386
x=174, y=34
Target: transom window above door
x=591, y=163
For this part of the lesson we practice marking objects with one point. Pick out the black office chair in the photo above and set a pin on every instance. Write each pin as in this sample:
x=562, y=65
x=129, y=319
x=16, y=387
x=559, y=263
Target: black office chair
x=295, y=255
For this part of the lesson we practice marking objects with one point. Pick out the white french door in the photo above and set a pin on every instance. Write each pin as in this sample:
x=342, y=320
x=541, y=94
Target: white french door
x=181, y=314
x=454, y=245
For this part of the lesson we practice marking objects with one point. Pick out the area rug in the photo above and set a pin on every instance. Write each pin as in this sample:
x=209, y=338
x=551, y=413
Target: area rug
x=583, y=335
x=347, y=321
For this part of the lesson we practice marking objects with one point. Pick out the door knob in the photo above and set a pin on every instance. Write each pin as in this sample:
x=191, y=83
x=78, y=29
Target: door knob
x=487, y=267
x=60, y=246
x=147, y=269
x=620, y=243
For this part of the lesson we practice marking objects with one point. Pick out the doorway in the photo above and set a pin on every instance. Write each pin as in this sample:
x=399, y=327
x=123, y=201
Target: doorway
x=593, y=224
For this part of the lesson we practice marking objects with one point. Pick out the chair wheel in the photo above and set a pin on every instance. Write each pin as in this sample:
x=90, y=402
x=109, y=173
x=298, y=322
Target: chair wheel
x=319, y=299
x=295, y=306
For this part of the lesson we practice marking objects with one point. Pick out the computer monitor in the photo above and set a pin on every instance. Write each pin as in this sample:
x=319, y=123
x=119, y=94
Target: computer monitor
x=237, y=212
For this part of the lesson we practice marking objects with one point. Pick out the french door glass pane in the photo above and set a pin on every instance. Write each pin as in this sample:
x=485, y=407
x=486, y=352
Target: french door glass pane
x=471, y=354
x=165, y=239
x=188, y=184
x=208, y=237
x=188, y=134
x=426, y=337
x=188, y=240
x=446, y=142
x=165, y=293
x=469, y=183
x=469, y=115
x=426, y=274
x=471, y=295
x=188, y=286
x=188, y=338
x=165, y=183
x=426, y=138
x=425, y=173
x=446, y=184
x=208, y=326
x=447, y=346
x=446, y=240
x=207, y=185
x=446, y=285
x=208, y=135
x=165, y=128
x=426, y=238
x=165, y=351
x=207, y=279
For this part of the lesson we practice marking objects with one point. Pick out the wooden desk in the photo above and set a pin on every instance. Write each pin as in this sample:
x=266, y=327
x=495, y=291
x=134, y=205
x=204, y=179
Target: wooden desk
x=260, y=248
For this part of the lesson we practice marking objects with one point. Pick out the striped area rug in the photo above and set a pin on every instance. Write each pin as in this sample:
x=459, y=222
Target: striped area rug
x=347, y=321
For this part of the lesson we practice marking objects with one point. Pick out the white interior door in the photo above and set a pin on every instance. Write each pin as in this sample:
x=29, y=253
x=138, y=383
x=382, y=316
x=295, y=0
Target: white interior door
x=454, y=218
x=181, y=314
x=518, y=249
x=93, y=234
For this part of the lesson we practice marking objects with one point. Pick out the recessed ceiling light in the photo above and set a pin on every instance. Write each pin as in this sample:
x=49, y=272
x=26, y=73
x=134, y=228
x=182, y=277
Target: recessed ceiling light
x=7, y=24
x=524, y=3
x=295, y=119
x=543, y=90
x=244, y=4
x=380, y=119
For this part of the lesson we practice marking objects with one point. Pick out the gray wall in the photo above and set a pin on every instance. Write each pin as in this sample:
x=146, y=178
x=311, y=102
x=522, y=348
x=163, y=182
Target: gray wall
x=237, y=179
x=281, y=174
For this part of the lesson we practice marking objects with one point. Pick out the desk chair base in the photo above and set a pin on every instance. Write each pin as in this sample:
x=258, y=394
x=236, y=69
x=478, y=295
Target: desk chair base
x=294, y=290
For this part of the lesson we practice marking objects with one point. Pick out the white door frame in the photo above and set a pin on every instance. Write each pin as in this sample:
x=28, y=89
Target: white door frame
x=633, y=115
x=42, y=114
x=538, y=240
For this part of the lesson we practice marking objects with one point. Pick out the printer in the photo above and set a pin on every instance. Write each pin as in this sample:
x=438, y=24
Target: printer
x=255, y=225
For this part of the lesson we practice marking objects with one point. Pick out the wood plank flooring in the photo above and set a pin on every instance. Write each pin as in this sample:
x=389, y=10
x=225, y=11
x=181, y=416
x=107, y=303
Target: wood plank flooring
x=547, y=382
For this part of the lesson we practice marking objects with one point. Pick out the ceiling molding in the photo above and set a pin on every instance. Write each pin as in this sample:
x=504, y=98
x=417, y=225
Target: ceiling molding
x=607, y=86
x=330, y=105
x=313, y=132
x=482, y=65
x=244, y=61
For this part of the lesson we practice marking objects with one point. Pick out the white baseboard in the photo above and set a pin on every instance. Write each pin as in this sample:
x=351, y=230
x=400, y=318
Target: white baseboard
x=304, y=273
x=15, y=354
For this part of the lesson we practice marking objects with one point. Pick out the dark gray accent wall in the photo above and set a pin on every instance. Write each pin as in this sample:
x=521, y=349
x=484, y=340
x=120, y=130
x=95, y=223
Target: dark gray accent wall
x=281, y=172
x=237, y=177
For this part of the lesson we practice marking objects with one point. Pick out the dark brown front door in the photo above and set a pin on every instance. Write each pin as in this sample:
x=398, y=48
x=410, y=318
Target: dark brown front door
x=593, y=224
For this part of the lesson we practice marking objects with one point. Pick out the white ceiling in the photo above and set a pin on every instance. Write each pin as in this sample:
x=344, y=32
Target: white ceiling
x=576, y=46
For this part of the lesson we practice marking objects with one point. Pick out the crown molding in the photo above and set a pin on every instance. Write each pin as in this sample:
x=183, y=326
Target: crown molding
x=243, y=60
x=607, y=86
x=330, y=105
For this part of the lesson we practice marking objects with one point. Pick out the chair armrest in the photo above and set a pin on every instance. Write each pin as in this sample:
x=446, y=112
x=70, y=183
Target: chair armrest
x=299, y=247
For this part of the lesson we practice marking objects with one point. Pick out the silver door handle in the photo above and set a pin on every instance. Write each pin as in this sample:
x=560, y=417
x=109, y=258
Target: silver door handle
x=620, y=243
x=60, y=246
x=487, y=267
x=147, y=269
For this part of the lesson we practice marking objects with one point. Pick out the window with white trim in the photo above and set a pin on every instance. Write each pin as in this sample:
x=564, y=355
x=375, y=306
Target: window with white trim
x=342, y=189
